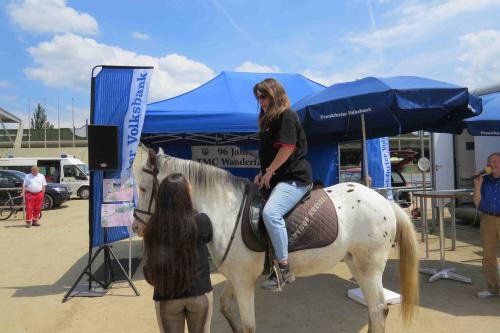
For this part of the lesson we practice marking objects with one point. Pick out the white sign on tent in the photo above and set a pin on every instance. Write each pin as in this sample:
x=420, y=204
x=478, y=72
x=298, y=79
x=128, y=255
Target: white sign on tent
x=226, y=156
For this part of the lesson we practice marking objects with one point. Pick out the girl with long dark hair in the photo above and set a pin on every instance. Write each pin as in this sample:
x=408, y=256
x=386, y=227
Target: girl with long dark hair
x=176, y=259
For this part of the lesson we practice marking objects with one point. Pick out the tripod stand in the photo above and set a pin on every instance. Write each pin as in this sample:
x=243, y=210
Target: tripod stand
x=93, y=289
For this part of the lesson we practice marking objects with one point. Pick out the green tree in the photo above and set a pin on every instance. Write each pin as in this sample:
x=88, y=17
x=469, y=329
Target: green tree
x=39, y=119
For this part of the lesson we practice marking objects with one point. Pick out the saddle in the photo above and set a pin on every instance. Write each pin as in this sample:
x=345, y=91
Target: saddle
x=311, y=224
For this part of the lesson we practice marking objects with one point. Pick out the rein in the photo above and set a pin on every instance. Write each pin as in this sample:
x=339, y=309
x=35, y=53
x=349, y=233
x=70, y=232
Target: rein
x=238, y=218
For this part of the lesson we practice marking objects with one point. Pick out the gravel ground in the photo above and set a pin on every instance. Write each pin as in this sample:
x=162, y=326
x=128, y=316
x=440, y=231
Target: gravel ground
x=39, y=265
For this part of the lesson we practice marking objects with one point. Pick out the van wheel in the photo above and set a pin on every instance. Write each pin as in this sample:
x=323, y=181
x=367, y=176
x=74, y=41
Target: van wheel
x=48, y=202
x=84, y=193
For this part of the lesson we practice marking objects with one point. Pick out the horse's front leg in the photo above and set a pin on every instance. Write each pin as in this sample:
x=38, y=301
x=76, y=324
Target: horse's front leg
x=244, y=288
x=226, y=306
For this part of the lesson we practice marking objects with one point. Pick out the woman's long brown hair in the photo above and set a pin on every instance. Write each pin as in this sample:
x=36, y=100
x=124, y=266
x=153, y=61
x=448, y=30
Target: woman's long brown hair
x=278, y=100
x=170, y=239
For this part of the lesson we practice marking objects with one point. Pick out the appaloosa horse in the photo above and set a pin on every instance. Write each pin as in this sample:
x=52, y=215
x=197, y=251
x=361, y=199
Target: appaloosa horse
x=367, y=228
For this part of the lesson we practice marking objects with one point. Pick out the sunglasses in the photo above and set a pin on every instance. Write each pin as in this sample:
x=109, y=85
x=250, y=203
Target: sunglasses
x=261, y=97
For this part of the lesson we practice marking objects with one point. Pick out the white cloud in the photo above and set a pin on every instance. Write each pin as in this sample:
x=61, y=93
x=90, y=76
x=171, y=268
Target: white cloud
x=141, y=36
x=249, y=66
x=4, y=84
x=59, y=65
x=324, y=78
x=415, y=20
x=369, y=67
x=481, y=64
x=51, y=16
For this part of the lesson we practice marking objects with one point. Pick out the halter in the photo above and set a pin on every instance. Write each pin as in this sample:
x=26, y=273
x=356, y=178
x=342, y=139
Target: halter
x=153, y=173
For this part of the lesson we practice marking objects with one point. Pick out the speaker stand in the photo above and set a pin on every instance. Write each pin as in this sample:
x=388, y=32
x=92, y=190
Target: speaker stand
x=95, y=287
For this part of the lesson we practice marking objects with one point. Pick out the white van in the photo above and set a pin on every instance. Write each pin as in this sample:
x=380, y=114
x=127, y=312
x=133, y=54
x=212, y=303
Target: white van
x=66, y=170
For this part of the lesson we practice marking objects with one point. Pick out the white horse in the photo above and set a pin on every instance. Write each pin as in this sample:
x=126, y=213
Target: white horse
x=367, y=228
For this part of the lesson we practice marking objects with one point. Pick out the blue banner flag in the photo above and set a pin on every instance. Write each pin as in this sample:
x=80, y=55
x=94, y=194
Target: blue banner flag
x=119, y=96
x=379, y=163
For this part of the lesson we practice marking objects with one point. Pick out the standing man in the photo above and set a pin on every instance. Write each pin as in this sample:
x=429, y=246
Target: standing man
x=34, y=189
x=487, y=199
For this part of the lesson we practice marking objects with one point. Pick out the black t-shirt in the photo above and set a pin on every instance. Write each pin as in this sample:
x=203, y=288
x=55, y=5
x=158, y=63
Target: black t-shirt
x=286, y=130
x=203, y=285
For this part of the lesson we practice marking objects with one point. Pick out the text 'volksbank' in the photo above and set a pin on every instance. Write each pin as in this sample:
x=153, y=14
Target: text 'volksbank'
x=135, y=118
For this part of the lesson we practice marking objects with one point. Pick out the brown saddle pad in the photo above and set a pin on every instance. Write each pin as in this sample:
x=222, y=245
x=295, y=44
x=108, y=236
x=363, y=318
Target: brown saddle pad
x=311, y=224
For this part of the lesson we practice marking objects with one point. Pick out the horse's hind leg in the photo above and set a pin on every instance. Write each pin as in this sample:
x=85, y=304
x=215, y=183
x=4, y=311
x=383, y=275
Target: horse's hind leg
x=367, y=268
x=226, y=306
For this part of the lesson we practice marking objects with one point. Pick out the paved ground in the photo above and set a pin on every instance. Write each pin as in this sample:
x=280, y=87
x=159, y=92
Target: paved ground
x=38, y=266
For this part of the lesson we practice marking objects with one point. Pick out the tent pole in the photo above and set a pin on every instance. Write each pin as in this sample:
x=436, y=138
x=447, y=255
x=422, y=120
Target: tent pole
x=365, y=155
x=423, y=206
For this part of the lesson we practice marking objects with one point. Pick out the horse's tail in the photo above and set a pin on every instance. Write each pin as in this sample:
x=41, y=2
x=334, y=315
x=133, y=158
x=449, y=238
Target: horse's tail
x=408, y=263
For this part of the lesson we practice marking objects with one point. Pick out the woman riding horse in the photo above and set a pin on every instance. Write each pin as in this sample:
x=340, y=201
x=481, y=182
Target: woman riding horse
x=285, y=171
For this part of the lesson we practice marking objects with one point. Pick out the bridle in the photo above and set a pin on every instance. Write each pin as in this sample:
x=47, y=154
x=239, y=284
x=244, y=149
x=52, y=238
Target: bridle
x=153, y=173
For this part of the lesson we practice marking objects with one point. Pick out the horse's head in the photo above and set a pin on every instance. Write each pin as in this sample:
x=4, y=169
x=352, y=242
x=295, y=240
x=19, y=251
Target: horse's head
x=211, y=185
x=148, y=188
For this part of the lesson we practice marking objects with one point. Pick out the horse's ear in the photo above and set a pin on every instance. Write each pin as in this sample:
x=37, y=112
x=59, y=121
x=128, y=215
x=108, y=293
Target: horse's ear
x=160, y=151
x=151, y=158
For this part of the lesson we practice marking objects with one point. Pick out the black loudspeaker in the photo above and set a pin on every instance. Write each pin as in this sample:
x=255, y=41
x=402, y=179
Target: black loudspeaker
x=103, y=147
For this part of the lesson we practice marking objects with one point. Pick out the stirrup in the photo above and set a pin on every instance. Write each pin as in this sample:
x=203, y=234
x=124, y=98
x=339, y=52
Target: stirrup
x=280, y=280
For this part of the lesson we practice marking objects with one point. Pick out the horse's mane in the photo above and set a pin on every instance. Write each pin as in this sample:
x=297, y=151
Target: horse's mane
x=203, y=176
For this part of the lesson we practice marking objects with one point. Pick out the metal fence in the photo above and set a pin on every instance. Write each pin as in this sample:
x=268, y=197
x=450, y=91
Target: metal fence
x=45, y=138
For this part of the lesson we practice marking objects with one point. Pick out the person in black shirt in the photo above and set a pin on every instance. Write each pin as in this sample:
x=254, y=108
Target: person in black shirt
x=284, y=170
x=176, y=259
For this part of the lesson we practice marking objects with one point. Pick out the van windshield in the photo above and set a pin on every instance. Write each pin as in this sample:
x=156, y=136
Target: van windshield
x=83, y=168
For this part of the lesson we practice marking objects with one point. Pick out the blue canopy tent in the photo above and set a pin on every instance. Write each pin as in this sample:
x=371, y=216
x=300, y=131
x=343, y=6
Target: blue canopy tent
x=223, y=112
x=376, y=107
x=488, y=122
x=389, y=106
x=224, y=104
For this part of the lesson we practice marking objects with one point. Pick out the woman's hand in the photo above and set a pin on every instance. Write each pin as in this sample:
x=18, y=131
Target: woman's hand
x=266, y=179
x=258, y=179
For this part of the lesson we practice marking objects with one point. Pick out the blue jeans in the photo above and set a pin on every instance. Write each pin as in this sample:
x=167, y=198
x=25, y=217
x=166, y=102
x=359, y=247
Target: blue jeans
x=282, y=199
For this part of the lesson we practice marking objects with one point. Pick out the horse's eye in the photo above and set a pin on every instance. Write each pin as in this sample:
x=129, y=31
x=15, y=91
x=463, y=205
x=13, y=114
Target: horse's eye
x=142, y=189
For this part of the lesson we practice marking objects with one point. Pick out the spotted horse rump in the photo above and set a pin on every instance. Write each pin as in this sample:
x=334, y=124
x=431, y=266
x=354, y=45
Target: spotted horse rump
x=311, y=224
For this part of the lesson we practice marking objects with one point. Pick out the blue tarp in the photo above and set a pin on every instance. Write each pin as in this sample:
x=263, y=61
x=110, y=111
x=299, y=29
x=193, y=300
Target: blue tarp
x=488, y=122
x=225, y=104
x=225, y=111
x=391, y=106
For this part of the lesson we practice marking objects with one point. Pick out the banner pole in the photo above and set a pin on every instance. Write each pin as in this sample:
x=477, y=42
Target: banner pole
x=91, y=178
x=365, y=153
x=130, y=257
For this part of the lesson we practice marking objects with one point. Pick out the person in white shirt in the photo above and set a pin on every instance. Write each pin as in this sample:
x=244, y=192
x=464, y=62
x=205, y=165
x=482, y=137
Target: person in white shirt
x=34, y=190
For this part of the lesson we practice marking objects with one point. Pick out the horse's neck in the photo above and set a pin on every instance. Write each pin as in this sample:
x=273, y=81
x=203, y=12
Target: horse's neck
x=217, y=201
x=219, y=198
x=221, y=205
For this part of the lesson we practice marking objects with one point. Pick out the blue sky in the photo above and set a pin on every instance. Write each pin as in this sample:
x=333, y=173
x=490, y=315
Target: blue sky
x=48, y=47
